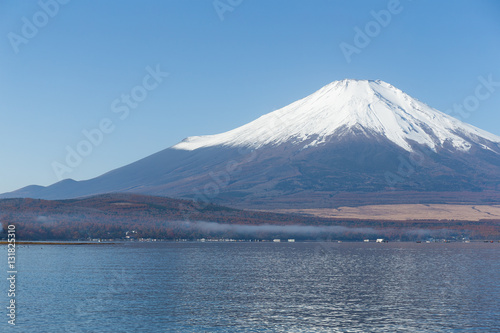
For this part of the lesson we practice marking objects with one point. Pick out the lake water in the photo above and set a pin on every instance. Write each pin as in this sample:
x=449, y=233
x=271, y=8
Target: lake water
x=256, y=287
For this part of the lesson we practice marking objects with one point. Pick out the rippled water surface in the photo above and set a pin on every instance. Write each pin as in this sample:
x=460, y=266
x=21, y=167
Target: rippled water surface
x=257, y=287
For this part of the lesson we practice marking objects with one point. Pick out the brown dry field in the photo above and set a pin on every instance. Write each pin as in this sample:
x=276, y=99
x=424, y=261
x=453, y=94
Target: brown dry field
x=405, y=212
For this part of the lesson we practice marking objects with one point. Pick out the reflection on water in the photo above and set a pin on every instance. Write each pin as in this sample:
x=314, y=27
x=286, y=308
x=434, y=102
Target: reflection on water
x=266, y=287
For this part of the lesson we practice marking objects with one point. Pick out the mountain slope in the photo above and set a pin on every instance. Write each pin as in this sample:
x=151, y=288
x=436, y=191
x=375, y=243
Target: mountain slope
x=351, y=136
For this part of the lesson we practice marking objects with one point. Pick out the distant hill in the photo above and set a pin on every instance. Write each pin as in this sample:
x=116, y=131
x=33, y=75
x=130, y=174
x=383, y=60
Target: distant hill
x=115, y=216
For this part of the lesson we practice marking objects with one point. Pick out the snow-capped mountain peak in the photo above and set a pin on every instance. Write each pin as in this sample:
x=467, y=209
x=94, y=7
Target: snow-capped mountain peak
x=373, y=107
x=351, y=139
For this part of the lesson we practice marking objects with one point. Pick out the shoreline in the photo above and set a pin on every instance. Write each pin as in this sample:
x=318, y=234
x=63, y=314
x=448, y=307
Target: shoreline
x=56, y=243
x=4, y=242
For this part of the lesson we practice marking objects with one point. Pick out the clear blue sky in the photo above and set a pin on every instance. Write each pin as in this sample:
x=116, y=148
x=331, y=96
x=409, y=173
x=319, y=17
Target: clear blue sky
x=222, y=73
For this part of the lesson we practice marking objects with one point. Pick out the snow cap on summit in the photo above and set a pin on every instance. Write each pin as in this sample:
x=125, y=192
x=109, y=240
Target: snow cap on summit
x=372, y=107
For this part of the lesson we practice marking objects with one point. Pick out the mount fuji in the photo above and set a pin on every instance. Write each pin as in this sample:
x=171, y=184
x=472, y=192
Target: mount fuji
x=351, y=142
